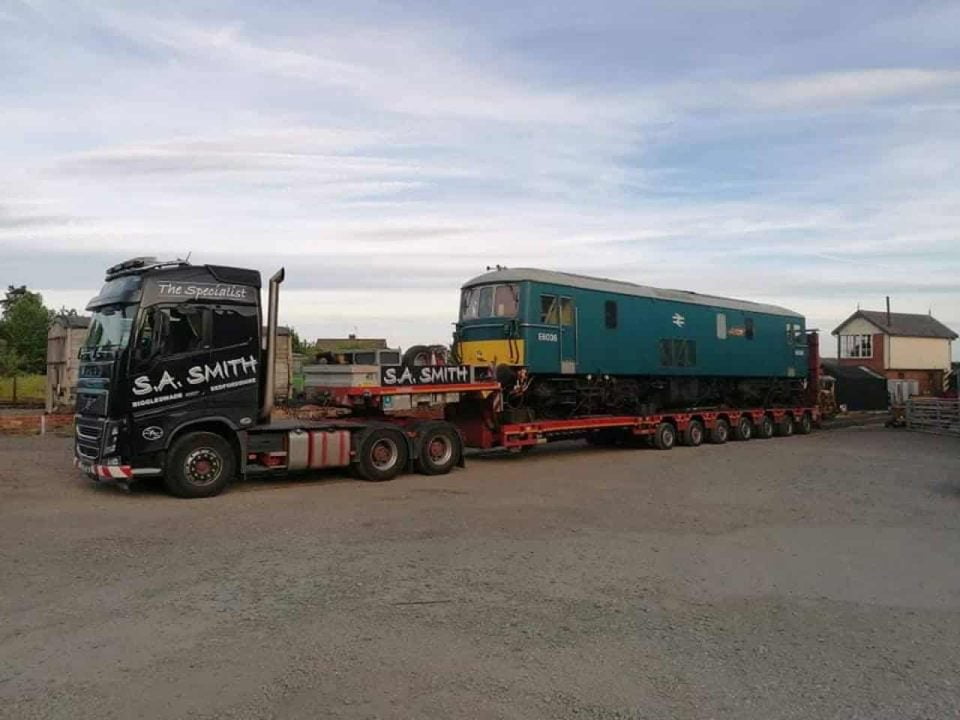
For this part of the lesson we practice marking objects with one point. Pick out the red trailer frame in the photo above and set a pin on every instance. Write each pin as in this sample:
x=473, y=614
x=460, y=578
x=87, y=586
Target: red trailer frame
x=479, y=422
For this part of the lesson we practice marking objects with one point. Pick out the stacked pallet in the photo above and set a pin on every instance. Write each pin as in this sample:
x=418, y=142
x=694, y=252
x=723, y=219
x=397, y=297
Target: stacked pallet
x=937, y=415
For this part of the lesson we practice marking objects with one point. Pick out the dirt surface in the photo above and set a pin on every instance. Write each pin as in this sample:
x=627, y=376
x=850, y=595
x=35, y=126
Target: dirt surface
x=805, y=577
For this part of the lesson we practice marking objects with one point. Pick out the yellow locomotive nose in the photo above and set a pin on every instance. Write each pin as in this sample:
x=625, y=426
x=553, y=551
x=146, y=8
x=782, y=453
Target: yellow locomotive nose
x=491, y=352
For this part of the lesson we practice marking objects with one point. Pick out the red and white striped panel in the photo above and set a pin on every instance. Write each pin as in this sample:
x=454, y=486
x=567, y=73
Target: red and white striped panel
x=114, y=472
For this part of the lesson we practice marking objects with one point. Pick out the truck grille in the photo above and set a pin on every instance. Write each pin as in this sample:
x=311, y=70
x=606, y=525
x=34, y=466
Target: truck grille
x=89, y=435
x=92, y=403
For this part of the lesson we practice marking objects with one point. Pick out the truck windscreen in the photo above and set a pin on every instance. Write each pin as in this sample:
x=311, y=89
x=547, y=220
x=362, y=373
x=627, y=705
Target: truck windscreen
x=110, y=329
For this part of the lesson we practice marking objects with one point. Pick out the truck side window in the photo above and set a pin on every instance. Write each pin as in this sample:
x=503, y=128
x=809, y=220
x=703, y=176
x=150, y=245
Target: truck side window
x=181, y=329
x=549, y=312
x=610, y=314
x=234, y=327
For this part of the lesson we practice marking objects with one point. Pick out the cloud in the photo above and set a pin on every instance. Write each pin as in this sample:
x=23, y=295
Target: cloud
x=385, y=156
x=837, y=88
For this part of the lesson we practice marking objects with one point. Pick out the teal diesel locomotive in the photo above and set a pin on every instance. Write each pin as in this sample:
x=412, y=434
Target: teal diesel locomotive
x=566, y=345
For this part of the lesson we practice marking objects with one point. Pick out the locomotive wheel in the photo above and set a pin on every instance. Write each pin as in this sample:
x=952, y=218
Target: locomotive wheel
x=805, y=426
x=439, y=451
x=743, y=429
x=665, y=437
x=765, y=427
x=720, y=432
x=382, y=455
x=693, y=435
x=200, y=464
x=785, y=426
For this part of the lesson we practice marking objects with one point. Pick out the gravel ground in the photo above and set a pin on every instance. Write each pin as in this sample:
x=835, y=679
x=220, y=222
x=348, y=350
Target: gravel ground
x=805, y=577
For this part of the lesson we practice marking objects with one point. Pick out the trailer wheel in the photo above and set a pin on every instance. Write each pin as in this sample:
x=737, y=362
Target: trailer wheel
x=785, y=426
x=665, y=437
x=805, y=426
x=439, y=451
x=720, y=432
x=743, y=430
x=693, y=435
x=382, y=455
x=200, y=464
x=765, y=427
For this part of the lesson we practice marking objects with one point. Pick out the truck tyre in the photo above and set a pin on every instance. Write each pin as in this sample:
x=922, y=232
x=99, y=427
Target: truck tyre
x=416, y=356
x=785, y=426
x=765, y=427
x=720, y=432
x=693, y=435
x=200, y=464
x=665, y=437
x=743, y=428
x=439, y=450
x=805, y=426
x=382, y=455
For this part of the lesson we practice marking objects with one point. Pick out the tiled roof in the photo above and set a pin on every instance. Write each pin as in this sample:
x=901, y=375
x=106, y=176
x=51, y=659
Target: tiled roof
x=903, y=324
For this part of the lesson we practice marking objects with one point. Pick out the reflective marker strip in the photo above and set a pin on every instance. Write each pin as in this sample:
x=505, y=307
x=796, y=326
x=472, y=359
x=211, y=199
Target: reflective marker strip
x=114, y=471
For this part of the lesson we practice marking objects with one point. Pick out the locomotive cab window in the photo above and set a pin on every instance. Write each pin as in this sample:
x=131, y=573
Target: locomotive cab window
x=566, y=311
x=490, y=301
x=485, y=306
x=610, y=314
x=748, y=328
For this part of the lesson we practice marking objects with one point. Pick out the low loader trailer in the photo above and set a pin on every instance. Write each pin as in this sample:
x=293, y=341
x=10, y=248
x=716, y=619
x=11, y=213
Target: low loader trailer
x=177, y=381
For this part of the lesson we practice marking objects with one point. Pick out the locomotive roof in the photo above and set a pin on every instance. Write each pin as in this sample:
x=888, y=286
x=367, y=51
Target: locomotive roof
x=624, y=288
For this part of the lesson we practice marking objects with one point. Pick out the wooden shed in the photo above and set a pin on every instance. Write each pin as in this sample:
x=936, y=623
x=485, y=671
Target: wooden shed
x=64, y=338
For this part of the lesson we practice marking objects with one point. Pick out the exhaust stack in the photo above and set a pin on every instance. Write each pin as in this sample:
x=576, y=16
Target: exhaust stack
x=270, y=374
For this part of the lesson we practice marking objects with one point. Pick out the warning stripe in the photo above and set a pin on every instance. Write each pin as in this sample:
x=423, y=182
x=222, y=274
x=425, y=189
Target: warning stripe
x=114, y=471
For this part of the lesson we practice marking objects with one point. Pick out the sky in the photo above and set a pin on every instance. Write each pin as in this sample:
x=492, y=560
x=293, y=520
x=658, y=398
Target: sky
x=805, y=154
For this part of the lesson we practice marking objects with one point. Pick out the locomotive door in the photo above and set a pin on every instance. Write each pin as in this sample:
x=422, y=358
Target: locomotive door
x=568, y=336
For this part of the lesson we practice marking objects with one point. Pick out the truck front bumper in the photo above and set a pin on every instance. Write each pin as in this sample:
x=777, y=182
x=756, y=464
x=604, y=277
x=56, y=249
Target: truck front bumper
x=104, y=473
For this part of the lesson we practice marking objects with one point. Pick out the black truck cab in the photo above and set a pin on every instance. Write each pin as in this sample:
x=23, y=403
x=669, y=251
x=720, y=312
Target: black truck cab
x=172, y=347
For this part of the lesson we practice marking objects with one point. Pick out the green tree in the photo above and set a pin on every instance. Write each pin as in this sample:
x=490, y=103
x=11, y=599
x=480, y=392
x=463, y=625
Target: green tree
x=299, y=346
x=23, y=328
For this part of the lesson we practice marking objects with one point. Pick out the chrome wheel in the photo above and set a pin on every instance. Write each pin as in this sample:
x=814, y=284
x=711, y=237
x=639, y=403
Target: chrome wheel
x=384, y=454
x=203, y=466
x=440, y=450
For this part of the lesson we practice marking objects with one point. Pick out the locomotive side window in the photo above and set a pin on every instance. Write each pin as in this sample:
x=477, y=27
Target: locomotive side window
x=721, y=326
x=566, y=311
x=748, y=328
x=549, y=311
x=610, y=314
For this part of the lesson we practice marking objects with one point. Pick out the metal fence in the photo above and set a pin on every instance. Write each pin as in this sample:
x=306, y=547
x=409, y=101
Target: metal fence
x=934, y=415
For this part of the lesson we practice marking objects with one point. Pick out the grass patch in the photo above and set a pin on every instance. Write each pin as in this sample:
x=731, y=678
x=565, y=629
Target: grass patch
x=30, y=388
